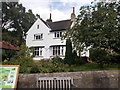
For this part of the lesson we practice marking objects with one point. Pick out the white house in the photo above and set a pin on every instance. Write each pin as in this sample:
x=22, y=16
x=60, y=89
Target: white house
x=45, y=37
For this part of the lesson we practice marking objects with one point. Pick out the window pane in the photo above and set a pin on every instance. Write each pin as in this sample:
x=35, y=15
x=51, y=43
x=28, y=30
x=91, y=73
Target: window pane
x=40, y=51
x=37, y=26
x=55, y=34
x=62, y=50
x=60, y=34
x=58, y=50
x=41, y=36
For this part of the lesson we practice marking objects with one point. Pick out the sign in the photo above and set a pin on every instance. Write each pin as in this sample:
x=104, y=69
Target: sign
x=8, y=76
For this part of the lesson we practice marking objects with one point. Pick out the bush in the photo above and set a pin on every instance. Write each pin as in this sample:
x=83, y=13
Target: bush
x=35, y=69
x=26, y=63
x=114, y=59
x=78, y=61
x=49, y=67
x=23, y=59
x=57, y=60
x=8, y=54
x=99, y=56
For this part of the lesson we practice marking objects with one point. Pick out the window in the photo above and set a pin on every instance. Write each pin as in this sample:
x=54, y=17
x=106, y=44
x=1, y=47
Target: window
x=37, y=26
x=58, y=50
x=62, y=52
x=58, y=34
x=38, y=51
x=38, y=36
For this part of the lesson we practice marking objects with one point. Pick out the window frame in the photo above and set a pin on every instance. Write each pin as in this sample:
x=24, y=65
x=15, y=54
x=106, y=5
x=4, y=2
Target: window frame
x=38, y=36
x=58, y=50
x=38, y=52
x=58, y=34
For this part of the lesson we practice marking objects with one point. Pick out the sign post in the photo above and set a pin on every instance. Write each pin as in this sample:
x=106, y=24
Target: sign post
x=9, y=76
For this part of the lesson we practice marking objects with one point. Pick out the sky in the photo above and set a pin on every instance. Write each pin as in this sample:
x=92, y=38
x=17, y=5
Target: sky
x=60, y=9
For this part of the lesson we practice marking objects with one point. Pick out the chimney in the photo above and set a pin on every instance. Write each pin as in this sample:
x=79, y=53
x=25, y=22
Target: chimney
x=74, y=10
x=73, y=16
x=50, y=16
x=49, y=20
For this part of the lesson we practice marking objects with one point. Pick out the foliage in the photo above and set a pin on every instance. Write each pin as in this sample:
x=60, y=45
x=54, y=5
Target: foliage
x=35, y=69
x=97, y=25
x=8, y=54
x=57, y=60
x=26, y=63
x=57, y=67
x=24, y=51
x=68, y=54
x=100, y=56
x=15, y=22
x=114, y=58
x=24, y=59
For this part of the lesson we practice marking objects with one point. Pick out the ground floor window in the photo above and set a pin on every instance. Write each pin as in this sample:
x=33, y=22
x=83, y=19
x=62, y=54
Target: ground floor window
x=58, y=50
x=38, y=51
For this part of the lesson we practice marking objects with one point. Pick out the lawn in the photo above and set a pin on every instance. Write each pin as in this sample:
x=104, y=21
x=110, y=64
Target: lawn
x=48, y=67
x=92, y=67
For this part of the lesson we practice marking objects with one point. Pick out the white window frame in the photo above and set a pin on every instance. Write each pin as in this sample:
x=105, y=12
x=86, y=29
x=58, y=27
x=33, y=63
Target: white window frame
x=38, y=51
x=58, y=50
x=57, y=34
x=38, y=36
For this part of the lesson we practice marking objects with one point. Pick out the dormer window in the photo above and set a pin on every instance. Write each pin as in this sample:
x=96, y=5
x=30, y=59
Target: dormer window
x=58, y=34
x=37, y=26
x=38, y=36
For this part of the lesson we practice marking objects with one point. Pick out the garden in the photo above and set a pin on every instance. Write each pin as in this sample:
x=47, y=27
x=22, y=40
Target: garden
x=98, y=26
x=28, y=65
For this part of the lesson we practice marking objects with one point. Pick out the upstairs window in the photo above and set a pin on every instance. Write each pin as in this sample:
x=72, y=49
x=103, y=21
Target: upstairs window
x=37, y=26
x=38, y=36
x=58, y=34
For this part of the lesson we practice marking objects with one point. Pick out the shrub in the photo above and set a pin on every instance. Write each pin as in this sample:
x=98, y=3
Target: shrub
x=57, y=60
x=8, y=54
x=26, y=63
x=114, y=59
x=100, y=56
x=23, y=59
x=78, y=61
x=68, y=54
x=35, y=69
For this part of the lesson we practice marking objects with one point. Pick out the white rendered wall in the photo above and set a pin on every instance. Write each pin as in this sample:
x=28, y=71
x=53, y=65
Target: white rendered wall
x=48, y=39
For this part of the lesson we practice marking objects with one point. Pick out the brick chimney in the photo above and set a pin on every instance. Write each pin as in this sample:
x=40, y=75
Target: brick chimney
x=73, y=16
x=49, y=20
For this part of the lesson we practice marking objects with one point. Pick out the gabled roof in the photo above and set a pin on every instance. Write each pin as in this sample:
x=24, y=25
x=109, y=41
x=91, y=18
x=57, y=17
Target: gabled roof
x=44, y=22
x=60, y=25
x=6, y=45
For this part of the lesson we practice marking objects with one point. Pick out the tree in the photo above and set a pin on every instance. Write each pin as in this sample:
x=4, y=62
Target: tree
x=15, y=22
x=68, y=54
x=97, y=25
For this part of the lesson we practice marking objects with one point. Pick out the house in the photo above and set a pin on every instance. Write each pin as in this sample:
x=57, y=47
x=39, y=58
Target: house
x=45, y=37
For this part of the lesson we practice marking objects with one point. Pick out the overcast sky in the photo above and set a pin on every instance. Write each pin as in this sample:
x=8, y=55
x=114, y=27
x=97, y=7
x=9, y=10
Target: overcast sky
x=60, y=9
